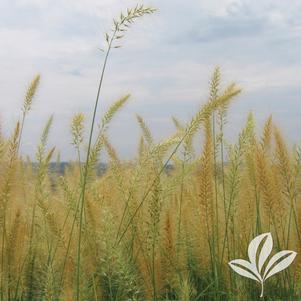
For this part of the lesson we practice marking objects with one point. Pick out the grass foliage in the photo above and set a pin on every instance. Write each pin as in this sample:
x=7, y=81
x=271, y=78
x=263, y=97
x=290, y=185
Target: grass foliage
x=143, y=231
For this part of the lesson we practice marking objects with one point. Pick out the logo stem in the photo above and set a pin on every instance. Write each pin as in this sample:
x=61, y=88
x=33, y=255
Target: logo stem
x=261, y=295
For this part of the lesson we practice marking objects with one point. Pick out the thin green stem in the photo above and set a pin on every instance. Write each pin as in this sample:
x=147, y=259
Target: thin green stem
x=181, y=204
x=84, y=183
x=154, y=268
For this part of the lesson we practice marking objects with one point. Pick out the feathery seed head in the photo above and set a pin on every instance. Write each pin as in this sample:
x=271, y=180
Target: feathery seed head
x=115, y=107
x=77, y=129
x=31, y=91
x=124, y=21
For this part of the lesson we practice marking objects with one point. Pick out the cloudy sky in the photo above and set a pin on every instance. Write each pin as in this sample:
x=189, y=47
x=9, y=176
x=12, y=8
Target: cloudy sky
x=165, y=63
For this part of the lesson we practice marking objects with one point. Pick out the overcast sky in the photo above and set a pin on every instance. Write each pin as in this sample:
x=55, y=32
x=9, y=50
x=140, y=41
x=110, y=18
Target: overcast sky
x=165, y=63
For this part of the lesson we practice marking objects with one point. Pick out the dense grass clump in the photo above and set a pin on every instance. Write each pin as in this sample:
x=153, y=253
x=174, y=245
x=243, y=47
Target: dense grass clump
x=161, y=227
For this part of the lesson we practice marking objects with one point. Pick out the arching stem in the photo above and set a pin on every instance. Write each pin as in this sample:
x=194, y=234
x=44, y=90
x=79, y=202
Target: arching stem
x=261, y=295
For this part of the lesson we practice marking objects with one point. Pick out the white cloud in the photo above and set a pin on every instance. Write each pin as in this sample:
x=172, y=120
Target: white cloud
x=166, y=60
x=219, y=8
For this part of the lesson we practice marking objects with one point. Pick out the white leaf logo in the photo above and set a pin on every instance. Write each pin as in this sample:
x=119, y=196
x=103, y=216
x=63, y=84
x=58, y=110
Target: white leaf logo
x=253, y=268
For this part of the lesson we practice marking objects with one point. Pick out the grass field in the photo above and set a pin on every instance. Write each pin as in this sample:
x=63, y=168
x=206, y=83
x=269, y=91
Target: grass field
x=162, y=226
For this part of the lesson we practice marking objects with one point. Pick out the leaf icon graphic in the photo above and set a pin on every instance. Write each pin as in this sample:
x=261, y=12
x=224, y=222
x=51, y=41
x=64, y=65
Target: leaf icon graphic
x=246, y=269
x=284, y=259
x=259, y=250
x=265, y=251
